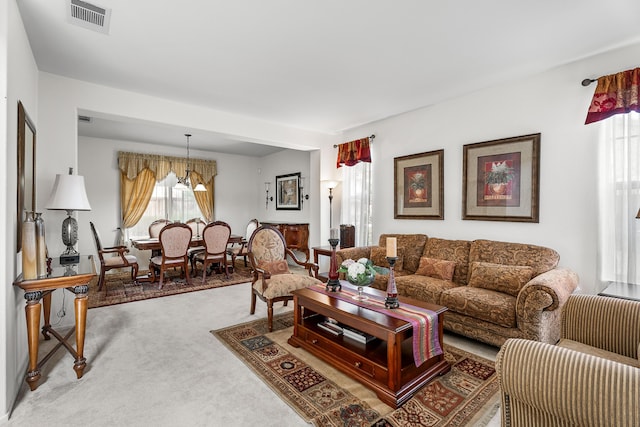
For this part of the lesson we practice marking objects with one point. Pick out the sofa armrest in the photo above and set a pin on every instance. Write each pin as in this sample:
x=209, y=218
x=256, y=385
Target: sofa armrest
x=353, y=253
x=545, y=385
x=611, y=324
x=540, y=301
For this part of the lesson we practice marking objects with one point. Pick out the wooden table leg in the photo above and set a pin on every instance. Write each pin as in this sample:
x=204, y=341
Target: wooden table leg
x=394, y=360
x=46, y=304
x=80, y=306
x=32, y=311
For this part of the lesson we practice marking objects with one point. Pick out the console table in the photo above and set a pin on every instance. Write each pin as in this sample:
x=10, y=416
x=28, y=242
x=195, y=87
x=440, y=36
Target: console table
x=74, y=278
x=296, y=235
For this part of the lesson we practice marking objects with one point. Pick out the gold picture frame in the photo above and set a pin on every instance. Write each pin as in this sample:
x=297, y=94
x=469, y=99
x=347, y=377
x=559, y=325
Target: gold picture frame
x=419, y=186
x=500, y=179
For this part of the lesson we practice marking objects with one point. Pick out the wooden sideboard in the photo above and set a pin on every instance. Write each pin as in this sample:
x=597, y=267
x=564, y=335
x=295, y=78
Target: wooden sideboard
x=295, y=234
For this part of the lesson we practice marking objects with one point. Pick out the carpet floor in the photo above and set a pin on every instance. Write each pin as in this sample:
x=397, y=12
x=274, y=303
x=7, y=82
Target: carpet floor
x=466, y=396
x=119, y=288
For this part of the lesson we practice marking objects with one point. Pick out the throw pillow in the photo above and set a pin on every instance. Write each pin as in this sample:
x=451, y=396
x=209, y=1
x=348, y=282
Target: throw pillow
x=437, y=268
x=276, y=267
x=508, y=279
x=379, y=257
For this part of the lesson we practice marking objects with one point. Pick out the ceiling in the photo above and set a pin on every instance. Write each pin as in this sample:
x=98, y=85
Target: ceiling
x=327, y=65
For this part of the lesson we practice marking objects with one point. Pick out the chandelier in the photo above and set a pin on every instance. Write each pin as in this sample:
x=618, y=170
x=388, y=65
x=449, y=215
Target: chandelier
x=184, y=182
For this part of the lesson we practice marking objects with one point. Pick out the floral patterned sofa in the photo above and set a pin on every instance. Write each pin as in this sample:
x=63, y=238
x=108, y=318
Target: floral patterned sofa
x=493, y=290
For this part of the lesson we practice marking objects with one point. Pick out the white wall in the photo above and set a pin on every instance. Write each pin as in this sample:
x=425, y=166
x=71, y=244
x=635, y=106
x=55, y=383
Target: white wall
x=60, y=99
x=554, y=104
x=18, y=81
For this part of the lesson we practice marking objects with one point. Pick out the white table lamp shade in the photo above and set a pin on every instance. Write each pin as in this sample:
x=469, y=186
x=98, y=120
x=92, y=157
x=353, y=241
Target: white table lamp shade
x=69, y=194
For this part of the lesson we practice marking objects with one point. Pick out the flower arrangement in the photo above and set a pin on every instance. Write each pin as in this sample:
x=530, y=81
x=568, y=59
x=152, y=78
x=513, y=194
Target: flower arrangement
x=500, y=173
x=360, y=273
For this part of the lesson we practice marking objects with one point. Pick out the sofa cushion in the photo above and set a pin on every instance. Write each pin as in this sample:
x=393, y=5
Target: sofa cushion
x=379, y=257
x=484, y=304
x=594, y=351
x=412, y=245
x=539, y=258
x=437, y=268
x=497, y=277
x=451, y=250
x=423, y=288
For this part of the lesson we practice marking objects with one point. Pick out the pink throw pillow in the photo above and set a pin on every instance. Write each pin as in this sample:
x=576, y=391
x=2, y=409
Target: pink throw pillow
x=436, y=268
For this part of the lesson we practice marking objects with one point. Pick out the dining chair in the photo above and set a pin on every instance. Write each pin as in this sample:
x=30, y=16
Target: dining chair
x=156, y=226
x=272, y=280
x=240, y=249
x=216, y=238
x=174, y=239
x=197, y=228
x=121, y=260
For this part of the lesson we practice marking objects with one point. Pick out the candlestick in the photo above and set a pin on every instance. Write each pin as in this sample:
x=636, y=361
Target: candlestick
x=392, y=247
x=333, y=284
x=392, y=292
x=334, y=233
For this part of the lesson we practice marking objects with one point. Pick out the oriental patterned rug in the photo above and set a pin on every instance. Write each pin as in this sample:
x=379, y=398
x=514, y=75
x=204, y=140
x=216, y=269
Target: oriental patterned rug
x=118, y=287
x=322, y=395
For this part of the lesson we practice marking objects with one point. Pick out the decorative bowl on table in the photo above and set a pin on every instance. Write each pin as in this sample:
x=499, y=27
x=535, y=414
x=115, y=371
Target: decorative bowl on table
x=359, y=273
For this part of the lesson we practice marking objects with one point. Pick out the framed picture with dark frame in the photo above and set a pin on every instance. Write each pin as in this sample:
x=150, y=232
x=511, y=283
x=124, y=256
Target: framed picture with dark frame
x=288, y=191
x=419, y=186
x=500, y=179
x=26, y=197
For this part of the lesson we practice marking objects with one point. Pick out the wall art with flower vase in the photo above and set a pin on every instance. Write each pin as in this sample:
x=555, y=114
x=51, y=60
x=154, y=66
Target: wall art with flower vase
x=501, y=179
x=419, y=186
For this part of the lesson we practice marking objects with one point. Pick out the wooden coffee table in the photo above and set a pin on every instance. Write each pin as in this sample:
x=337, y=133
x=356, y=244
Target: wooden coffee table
x=385, y=365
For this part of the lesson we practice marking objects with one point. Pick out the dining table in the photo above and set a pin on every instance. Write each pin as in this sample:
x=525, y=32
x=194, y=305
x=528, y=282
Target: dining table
x=153, y=244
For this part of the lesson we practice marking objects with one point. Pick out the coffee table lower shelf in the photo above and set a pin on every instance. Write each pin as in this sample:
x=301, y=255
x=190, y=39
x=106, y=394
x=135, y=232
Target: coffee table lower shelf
x=384, y=365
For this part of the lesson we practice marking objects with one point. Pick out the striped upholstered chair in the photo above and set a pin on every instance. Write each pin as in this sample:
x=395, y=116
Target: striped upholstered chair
x=590, y=378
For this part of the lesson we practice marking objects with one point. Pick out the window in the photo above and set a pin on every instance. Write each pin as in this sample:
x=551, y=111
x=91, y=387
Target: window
x=166, y=202
x=619, y=199
x=356, y=201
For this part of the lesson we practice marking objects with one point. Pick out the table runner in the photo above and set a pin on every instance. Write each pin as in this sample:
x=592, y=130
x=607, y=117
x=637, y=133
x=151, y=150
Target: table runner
x=425, y=322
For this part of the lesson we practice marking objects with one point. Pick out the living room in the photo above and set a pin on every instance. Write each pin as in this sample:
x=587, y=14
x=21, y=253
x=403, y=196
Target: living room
x=551, y=102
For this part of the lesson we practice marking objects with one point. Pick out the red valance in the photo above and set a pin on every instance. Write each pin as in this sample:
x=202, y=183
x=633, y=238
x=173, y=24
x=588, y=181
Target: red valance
x=615, y=94
x=350, y=153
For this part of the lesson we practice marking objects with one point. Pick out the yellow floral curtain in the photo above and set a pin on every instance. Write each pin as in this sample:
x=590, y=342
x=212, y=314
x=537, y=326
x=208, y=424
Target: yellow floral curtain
x=135, y=195
x=132, y=163
x=139, y=173
x=204, y=198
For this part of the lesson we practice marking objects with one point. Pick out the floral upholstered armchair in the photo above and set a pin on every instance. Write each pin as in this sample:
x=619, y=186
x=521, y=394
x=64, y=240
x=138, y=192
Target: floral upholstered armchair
x=272, y=280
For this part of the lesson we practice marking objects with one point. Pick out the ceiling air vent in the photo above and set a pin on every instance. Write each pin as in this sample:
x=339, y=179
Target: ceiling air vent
x=89, y=16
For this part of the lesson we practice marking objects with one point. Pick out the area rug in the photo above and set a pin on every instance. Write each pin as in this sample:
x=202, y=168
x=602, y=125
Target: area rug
x=323, y=396
x=118, y=288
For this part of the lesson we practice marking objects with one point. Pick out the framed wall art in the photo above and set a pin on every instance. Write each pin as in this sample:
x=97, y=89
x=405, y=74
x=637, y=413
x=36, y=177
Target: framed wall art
x=288, y=191
x=419, y=186
x=500, y=179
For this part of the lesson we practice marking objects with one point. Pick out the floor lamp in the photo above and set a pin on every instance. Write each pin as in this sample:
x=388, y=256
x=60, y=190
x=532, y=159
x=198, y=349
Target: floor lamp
x=331, y=185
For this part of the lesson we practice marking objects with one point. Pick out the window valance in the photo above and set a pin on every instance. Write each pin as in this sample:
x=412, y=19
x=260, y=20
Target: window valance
x=352, y=152
x=132, y=164
x=615, y=94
